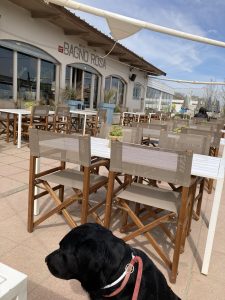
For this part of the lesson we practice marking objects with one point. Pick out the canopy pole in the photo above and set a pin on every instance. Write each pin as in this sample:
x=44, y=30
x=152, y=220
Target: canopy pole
x=190, y=81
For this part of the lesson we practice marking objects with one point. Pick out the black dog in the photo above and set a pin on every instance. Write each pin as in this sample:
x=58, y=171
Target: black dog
x=91, y=254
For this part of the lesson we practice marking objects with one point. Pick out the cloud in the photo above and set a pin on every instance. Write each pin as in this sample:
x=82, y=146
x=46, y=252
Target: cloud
x=166, y=53
x=177, y=57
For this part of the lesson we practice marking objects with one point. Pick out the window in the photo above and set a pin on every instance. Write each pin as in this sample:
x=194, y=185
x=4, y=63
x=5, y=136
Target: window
x=28, y=58
x=47, y=86
x=152, y=93
x=84, y=80
x=137, y=91
x=6, y=73
x=117, y=84
x=27, y=77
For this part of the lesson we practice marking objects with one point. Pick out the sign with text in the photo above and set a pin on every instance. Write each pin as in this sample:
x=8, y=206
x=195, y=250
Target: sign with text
x=82, y=54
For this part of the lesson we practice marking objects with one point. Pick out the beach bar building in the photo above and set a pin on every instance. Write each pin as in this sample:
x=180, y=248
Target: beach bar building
x=45, y=47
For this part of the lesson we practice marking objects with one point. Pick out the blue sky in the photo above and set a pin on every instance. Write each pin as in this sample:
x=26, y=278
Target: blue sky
x=179, y=58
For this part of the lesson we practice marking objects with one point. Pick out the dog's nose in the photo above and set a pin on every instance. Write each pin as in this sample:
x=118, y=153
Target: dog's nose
x=46, y=259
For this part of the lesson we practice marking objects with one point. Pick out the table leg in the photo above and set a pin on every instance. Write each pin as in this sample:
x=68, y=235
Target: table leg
x=19, y=131
x=212, y=226
x=84, y=125
x=14, y=128
x=223, y=153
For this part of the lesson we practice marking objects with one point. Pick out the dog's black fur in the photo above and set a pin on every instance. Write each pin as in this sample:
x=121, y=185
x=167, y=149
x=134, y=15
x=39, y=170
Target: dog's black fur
x=94, y=256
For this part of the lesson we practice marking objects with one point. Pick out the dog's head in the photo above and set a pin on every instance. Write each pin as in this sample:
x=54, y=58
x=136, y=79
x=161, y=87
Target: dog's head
x=89, y=253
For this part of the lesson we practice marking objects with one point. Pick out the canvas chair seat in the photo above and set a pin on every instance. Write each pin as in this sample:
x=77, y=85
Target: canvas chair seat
x=152, y=196
x=73, y=178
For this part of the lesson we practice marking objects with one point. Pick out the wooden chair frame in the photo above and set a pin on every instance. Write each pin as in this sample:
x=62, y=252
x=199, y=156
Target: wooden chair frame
x=40, y=180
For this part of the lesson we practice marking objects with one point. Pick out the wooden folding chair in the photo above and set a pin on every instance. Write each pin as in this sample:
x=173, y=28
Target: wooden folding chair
x=151, y=133
x=37, y=119
x=63, y=148
x=214, y=145
x=161, y=205
x=7, y=120
x=62, y=119
x=198, y=144
x=94, y=123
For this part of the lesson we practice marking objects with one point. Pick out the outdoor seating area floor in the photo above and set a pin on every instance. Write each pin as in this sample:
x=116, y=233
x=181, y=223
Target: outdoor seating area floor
x=26, y=251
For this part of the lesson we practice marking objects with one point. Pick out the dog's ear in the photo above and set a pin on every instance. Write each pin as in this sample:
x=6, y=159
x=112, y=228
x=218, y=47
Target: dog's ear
x=92, y=258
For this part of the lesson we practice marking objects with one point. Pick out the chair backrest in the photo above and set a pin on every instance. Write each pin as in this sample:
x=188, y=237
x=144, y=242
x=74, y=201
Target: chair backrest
x=104, y=131
x=58, y=146
x=179, y=123
x=215, y=136
x=40, y=110
x=152, y=130
x=62, y=111
x=209, y=126
x=183, y=142
x=132, y=134
x=154, y=163
x=7, y=104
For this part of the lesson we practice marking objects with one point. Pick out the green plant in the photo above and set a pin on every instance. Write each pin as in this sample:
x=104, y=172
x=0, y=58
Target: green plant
x=109, y=95
x=28, y=103
x=117, y=109
x=116, y=131
x=71, y=93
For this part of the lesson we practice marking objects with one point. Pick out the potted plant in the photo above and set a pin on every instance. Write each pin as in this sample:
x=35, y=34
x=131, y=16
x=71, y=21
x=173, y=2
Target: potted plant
x=72, y=97
x=115, y=133
x=116, y=115
x=109, y=104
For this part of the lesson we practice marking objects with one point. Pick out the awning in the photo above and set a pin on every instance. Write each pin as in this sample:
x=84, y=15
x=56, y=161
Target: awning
x=129, y=26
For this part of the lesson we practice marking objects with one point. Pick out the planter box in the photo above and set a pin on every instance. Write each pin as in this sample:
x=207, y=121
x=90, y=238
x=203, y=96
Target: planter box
x=110, y=108
x=75, y=104
x=116, y=118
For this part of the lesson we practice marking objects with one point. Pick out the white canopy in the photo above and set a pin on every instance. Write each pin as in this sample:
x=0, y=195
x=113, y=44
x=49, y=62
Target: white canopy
x=122, y=27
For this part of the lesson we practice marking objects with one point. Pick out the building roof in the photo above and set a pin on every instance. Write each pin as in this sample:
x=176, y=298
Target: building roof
x=72, y=25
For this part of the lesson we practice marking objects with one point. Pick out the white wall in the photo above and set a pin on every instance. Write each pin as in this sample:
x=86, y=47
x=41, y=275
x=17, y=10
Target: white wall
x=17, y=24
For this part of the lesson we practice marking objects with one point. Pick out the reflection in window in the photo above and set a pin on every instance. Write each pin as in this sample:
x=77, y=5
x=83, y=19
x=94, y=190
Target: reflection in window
x=87, y=88
x=84, y=80
x=118, y=85
x=6, y=73
x=154, y=97
x=68, y=76
x=27, y=76
x=47, y=87
x=137, y=91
